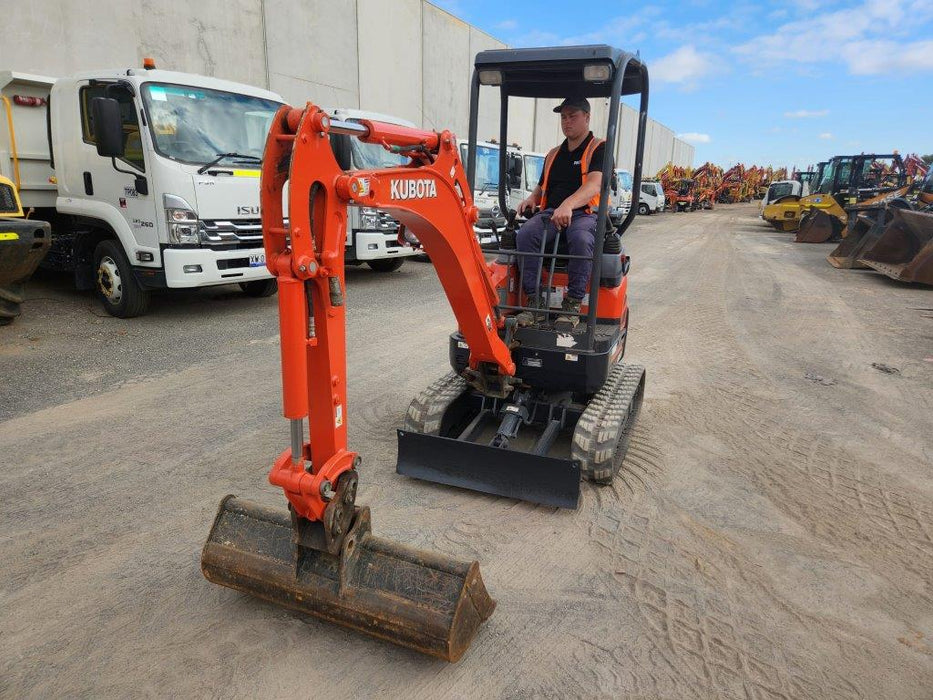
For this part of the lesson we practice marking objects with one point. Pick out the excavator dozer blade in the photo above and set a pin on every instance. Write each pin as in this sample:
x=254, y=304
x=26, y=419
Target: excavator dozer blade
x=815, y=227
x=511, y=473
x=862, y=234
x=421, y=600
x=905, y=250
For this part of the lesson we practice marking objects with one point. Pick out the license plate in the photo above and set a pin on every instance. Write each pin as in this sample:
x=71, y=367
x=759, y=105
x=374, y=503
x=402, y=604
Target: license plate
x=257, y=260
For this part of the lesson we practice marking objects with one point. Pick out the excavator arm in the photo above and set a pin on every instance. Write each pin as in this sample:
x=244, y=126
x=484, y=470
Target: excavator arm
x=431, y=197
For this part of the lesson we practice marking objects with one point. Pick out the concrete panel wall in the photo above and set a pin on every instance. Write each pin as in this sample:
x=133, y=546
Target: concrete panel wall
x=405, y=57
x=391, y=83
x=223, y=38
x=446, y=59
x=311, y=51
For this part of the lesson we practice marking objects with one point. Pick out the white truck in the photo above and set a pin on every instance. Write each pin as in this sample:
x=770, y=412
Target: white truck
x=150, y=179
x=486, y=185
x=372, y=235
x=651, y=198
x=621, y=196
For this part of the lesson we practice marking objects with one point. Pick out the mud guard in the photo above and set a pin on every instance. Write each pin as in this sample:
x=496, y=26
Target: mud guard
x=421, y=600
x=510, y=473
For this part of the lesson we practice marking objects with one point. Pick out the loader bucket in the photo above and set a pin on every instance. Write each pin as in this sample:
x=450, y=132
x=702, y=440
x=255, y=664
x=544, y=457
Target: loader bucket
x=816, y=227
x=502, y=472
x=862, y=232
x=905, y=250
x=421, y=600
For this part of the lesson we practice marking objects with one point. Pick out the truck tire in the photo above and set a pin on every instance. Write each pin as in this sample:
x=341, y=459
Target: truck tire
x=643, y=208
x=386, y=265
x=260, y=288
x=116, y=284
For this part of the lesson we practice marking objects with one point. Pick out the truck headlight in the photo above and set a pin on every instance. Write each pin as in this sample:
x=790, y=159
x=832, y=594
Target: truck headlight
x=182, y=226
x=369, y=218
x=182, y=221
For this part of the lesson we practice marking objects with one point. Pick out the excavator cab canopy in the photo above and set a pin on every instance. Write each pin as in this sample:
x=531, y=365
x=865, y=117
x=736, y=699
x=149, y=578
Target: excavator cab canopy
x=557, y=72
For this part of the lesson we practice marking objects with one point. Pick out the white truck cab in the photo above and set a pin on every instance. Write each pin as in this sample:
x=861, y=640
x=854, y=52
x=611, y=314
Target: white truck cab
x=651, y=198
x=372, y=235
x=486, y=185
x=151, y=178
x=532, y=165
x=620, y=196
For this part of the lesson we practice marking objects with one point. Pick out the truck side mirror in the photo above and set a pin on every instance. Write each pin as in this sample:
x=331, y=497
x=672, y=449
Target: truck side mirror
x=515, y=171
x=108, y=127
x=614, y=184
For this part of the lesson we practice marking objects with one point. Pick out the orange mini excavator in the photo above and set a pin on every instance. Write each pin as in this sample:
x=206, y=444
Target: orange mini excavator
x=320, y=557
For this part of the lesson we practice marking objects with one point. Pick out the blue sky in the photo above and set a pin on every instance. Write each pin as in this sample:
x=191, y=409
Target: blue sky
x=780, y=83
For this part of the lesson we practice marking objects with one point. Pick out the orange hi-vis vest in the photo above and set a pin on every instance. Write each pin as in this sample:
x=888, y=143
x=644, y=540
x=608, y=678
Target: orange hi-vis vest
x=593, y=204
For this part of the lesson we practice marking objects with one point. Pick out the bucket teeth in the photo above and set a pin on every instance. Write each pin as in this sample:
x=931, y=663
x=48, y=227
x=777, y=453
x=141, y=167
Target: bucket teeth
x=421, y=600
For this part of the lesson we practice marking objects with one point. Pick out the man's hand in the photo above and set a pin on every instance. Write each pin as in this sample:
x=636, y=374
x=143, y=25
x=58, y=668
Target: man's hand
x=528, y=203
x=562, y=215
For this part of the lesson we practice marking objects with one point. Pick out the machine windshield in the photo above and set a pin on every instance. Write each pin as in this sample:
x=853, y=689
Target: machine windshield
x=195, y=125
x=779, y=189
x=533, y=167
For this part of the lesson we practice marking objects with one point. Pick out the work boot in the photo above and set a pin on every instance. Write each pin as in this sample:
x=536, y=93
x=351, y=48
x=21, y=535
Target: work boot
x=566, y=321
x=529, y=318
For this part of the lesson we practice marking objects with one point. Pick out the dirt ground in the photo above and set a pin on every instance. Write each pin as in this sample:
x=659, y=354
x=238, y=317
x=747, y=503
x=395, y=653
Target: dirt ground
x=772, y=536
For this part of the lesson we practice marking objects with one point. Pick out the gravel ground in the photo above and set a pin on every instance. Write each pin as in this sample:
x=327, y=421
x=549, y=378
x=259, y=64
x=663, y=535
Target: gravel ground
x=771, y=535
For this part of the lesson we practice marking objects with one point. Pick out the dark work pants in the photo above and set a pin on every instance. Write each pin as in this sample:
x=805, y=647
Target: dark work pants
x=580, y=236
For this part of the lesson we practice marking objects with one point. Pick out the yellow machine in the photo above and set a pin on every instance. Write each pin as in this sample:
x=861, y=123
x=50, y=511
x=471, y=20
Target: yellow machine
x=843, y=181
x=23, y=244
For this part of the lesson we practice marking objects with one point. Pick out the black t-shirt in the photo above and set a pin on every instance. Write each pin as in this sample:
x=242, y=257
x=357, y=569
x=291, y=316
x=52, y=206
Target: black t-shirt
x=565, y=178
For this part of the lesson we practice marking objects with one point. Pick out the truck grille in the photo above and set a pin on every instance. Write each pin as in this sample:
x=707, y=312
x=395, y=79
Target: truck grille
x=224, y=234
x=384, y=222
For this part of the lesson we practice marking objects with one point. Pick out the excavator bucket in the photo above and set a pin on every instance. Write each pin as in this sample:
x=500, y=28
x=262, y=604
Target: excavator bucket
x=905, y=250
x=525, y=476
x=862, y=231
x=817, y=227
x=424, y=601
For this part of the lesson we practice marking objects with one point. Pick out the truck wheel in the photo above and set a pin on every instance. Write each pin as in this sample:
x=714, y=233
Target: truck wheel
x=116, y=284
x=260, y=288
x=643, y=209
x=388, y=265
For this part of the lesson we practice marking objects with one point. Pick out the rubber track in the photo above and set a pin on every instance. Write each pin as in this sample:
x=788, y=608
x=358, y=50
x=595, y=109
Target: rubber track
x=600, y=439
x=427, y=409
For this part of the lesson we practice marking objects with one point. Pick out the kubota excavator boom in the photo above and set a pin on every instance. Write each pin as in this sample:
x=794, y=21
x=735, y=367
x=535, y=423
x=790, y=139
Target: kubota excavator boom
x=288, y=560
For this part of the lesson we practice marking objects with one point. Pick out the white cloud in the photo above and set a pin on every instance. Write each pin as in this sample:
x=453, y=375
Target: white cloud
x=616, y=31
x=693, y=137
x=806, y=113
x=859, y=35
x=877, y=57
x=826, y=135
x=506, y=24
x=685, y=66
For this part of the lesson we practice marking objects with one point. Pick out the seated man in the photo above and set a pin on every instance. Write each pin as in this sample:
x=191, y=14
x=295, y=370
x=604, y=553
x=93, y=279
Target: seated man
x=568, y=194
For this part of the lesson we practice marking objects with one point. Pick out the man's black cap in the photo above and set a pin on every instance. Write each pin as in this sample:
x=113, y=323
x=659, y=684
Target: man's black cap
x=580, y=103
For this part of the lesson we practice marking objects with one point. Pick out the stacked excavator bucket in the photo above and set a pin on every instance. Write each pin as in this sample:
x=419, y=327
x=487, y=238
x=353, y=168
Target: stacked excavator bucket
x=904, y=251
x=862, y=231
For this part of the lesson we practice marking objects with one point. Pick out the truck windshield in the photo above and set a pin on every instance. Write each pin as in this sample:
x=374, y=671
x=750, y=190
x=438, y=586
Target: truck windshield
x=625, y=179
x=533, y=167
x=194, y=125
x=372, y=156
